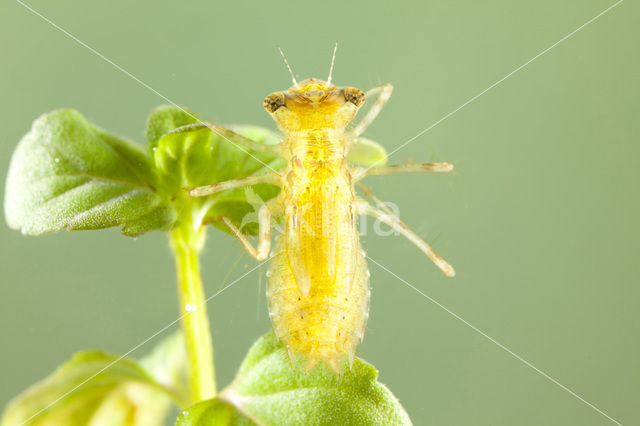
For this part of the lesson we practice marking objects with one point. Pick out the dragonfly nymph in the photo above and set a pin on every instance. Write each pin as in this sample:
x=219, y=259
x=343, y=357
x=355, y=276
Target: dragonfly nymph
x=318, y=280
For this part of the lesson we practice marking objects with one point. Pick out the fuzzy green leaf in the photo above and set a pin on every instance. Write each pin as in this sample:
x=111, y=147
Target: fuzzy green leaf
x=166, y=118
x=68, y=173
x=366, y=152
x=197, y=156
x=268, y=391
x=94, y=403
x=100, y=389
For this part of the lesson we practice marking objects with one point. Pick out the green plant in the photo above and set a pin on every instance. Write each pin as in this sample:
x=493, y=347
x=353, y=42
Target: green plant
x=67, y=173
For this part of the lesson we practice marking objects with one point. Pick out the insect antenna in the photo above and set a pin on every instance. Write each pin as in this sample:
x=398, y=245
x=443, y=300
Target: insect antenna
x=293, y=78
x=333, y=60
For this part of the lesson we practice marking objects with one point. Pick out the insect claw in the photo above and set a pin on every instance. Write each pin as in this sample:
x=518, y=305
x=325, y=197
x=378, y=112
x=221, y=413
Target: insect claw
x=311, y=363
x=292, y=356
x=351, y=357
x=334, y=364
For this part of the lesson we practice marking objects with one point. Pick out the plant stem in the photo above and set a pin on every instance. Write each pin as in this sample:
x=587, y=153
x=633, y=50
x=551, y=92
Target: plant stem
x=186, y=243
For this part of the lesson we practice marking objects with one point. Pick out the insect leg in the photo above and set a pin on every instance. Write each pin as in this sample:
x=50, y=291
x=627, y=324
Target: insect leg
x=264, y=234
x=231, y=136
x=363, y=207
x=201, y=191
x=392, y=169
x=384, y=93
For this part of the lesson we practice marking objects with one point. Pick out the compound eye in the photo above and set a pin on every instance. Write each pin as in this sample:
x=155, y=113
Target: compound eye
x=274, y=101
x=353, y=95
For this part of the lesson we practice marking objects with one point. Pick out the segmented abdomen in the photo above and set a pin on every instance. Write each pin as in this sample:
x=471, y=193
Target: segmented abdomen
x=326, y=323
x=318, y=286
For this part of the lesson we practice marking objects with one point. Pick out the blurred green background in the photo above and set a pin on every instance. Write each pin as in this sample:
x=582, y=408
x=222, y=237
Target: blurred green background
x=540, y=218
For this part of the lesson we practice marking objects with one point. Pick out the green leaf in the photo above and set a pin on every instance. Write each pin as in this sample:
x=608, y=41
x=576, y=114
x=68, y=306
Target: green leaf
x=122, y=393
x=197, y=156
x=166, y=118
x=99, y=389
x=268, y=391
x=68, y=173
x=366, y=152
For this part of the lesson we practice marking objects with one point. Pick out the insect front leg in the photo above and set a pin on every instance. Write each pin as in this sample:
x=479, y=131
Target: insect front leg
x=264, y=234
x=201, y=191
x=393, y=169
x=387, y=217
x=231, y=136
x=384, y=93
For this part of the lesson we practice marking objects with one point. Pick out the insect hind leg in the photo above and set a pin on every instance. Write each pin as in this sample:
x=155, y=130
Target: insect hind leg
x=388, y=217
x=260, y=252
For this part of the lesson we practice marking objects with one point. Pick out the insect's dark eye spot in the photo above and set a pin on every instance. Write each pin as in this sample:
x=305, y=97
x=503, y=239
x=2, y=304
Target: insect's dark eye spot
x=274, y=101
x=353, y=95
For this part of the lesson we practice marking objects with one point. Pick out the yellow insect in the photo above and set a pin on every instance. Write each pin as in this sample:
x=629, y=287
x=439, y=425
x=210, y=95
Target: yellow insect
x=318, y=281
